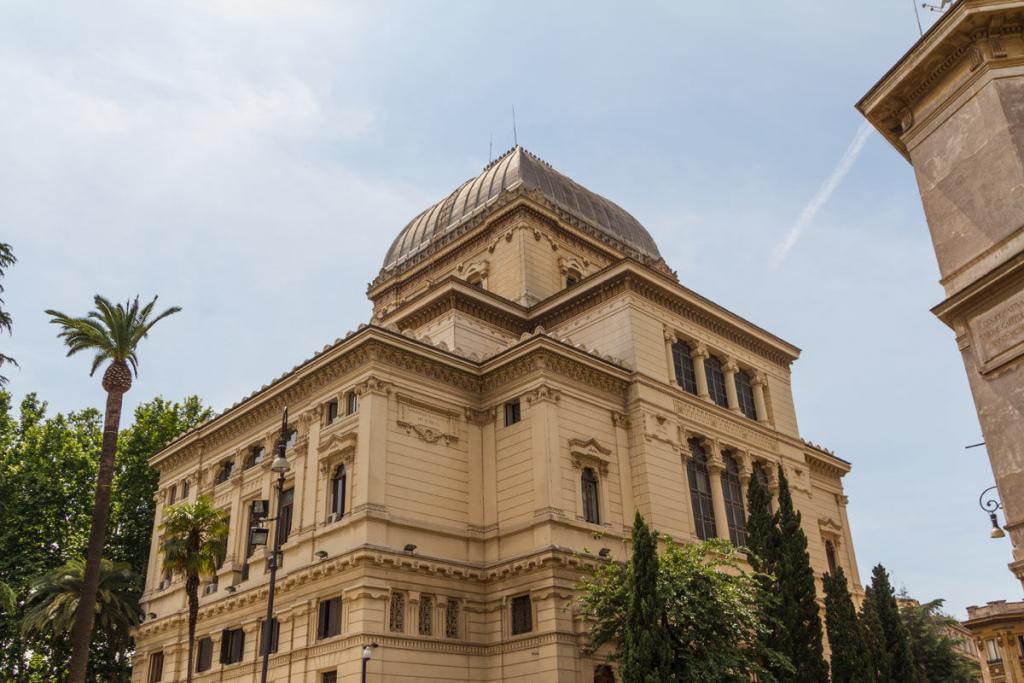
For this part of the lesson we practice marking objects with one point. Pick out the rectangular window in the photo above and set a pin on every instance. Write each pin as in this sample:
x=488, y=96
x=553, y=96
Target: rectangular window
x=329, y=618
x=156, y=667
x=284, y=515
x=513, y=413
x=275, y=632
x=716, y=381
x=451, y=619
x=171, y=494
x=745, y=394
x=522, y=614
x=232, y=645
x=1020, y=645
x=329, y=677
x=992, y=651
x=204, y=654
x=184, y=489
x=332, y=411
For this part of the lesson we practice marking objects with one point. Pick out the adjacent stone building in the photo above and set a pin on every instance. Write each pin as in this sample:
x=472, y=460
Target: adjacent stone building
x=533, y=374
x=953, y=106
x=998, y=632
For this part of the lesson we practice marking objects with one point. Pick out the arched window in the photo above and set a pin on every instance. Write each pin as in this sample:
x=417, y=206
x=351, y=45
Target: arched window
x=426, y=615
x=716, y=381
x=331, y=411
x=700, y=491
x=588, y=483
x=255, y=456
x=604, y=674
x=396, y=613
x=830, y=555
x=351, y=403
x=293, y=438
x=338, y=481
x=732, y=493
x=745, y=394
x=683, y=363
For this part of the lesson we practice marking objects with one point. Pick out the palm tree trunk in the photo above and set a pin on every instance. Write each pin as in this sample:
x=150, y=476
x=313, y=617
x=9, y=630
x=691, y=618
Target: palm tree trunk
x=85, y=615
x=192, y=591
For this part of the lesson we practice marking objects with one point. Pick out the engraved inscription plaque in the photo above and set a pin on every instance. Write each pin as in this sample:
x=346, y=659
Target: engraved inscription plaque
x=998, y=333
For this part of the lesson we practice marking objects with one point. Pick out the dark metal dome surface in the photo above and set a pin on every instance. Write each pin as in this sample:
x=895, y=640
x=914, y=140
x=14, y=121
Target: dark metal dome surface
x=516, y=170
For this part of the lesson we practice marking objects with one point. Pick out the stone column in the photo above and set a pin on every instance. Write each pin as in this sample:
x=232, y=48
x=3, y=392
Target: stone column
x=715, y=467
x=670, y=339
x=729, y=370
x=760, y=407
x=952, y=107
x=746, y=472
x=371, y=446
x=307, y=472
x=699, y=354
x=621, y=423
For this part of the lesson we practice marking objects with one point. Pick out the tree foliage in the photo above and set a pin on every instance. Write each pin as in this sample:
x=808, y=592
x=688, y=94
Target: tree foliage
x=886, y=632
x=851, y=659
x=7, y=260
x=705, y=603
x=934, y=649
x=48, y=467
x=195, y=543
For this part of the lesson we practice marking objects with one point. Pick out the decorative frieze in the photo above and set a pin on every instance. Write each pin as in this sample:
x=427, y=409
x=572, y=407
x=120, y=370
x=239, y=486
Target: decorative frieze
x=429, y=423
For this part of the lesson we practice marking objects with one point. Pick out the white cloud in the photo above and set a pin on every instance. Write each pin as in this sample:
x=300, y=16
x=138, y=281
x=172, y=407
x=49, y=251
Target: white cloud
x=824, y=192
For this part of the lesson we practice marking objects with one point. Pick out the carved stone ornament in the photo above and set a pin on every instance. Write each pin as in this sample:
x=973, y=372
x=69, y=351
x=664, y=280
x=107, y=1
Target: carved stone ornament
x=590, y=452
x=544, y=394
x=335, y=448
x=480, y=417
x=429, y=423
x=571, y=263
x=829, y=526
x=659, y=427
x=373, y=385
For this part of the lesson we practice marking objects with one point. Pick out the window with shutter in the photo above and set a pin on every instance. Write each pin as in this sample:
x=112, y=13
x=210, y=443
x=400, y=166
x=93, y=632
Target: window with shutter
x=588, y=485
x=329, y=623
x=451, y=619
x=156, y=667
x=204, y=654
x=426, y=615
x=396, y=613
x=284, y=515
x=522, y=614
x=275, y=632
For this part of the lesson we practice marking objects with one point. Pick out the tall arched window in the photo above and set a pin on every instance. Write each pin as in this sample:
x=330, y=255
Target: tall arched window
x=745, y=394
x=700, y=491
x=588, y=483
x=338, y=482
x=351, y=403
x=716, y=381
x=830, y=555
x=732, y=493
x=683, y=363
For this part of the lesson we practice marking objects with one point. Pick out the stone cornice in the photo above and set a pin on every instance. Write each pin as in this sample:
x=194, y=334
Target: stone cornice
x=375, y=347
x=969, y=39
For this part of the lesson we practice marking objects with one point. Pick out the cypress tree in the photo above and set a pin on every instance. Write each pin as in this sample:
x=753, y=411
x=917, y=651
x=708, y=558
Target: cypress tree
x=646, y=650
x=874, y=639
x=851, y=662
x=891, y=632
x=763, y=547
x=798, y=601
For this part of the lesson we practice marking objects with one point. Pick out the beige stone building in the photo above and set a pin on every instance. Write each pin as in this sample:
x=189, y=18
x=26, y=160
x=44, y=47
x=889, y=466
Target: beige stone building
x=953, y=106
x=998, y=632
x=533, y=374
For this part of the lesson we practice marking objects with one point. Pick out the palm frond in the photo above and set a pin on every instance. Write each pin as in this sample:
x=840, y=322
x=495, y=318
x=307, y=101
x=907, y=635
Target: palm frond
x=111, y=331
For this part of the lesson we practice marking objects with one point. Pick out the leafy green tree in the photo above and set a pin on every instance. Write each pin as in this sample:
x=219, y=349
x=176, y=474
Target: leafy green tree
x=48, y=470
x=54, y=598
x=934, y=649
x=646, y=652
x=195, y=544
x=887, y=631
x=6, y=261
x=851, y=660
x=156, y=423
x=704, y=618
x=112, y=333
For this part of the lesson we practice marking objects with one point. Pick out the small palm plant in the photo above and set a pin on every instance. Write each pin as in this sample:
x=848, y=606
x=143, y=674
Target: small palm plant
x=54, y=597
x=6, y=260
x=112, y=333
x=195, y=544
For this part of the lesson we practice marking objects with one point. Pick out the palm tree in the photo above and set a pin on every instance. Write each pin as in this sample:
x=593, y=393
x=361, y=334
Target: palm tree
x=6, y=260
x=113, y=334
x=195, y=543
x=54, y=598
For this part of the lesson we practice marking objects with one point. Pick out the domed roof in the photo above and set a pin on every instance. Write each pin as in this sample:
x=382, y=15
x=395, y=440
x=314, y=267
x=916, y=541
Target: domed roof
x=519, y=170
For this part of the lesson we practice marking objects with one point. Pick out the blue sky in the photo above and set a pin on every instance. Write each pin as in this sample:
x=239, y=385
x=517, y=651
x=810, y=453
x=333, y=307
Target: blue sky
x=252, y=161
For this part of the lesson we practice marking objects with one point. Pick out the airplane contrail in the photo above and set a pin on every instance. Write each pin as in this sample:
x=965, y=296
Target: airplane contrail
x=824, y=192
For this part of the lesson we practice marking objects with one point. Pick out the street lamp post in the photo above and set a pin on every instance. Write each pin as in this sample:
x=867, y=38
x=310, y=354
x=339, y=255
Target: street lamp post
x=990, y=505
x=280, y=465
x=367, y=654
